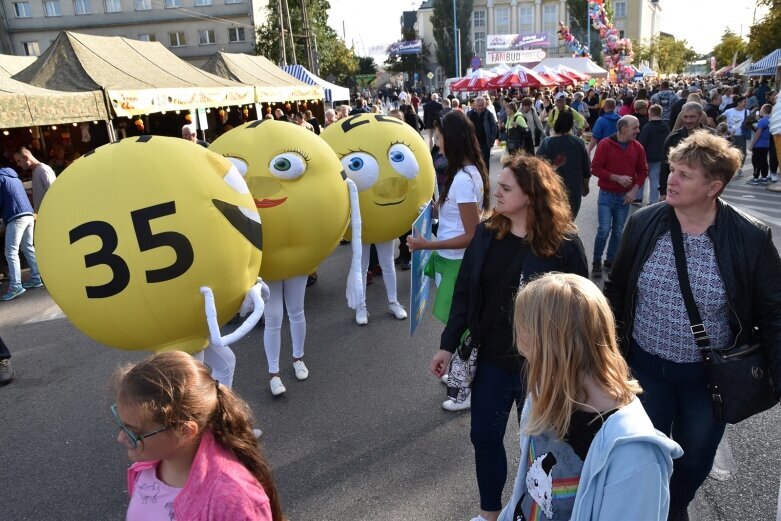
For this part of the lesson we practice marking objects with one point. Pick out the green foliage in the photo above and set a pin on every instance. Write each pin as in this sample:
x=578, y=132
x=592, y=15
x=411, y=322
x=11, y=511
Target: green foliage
x=670, y=55
x=408, y=63
x=765, y=35
x=366, y=65
x=335, y=57
x=730, y=44
x=442, y=21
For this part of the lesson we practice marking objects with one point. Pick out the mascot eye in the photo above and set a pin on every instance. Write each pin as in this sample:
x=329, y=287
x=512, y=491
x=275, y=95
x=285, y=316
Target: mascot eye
x=403, y=161
x=236, y=181
x=240, y=165
x=362, y=169
x=287, y=166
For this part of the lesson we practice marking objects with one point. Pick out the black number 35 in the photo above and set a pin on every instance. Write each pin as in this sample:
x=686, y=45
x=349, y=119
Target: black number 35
x=146, y=241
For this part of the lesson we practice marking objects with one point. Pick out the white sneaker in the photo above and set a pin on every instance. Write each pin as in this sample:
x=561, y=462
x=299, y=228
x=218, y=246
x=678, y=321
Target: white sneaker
x=397, y=310
x=444, y=378
x=258, y=433
x=479, y=518
x=361, y=316
x=276, y=386
x=302, y=373
x=773, y=178
x=450, y=405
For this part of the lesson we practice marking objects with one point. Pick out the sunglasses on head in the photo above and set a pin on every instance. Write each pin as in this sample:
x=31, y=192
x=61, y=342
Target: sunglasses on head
x=132, y=437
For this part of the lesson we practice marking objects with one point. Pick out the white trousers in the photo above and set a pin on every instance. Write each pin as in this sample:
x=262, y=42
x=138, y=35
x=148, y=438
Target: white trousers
x=385, y=256
x=222, y=361
x=288, y=293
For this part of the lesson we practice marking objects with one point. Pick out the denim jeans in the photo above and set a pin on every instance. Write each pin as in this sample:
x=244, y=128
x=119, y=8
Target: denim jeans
x=19, y=234
x=612, y=213
x=653, y=181
x=676, y=398
x=494, y=391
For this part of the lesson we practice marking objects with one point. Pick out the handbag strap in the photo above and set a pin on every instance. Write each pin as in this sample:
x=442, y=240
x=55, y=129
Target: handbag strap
x=695, y=320
x=493, y=317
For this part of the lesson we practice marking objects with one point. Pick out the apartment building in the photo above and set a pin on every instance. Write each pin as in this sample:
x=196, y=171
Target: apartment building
x=192, y=29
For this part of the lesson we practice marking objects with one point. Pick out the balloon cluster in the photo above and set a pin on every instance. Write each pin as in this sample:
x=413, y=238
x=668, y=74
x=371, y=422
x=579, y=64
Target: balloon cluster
x=616, y=51
x=573, y=45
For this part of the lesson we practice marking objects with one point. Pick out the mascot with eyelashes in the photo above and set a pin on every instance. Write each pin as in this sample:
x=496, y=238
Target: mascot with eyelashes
x=306, y=205
x=392, y=169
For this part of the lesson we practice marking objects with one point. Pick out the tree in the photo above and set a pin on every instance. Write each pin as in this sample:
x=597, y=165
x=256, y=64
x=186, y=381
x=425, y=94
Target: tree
x=730, y=45
x=334, y=56
x=442, y=22
x=366, y=65
x=579, y=23
x=670, y=55
x=408, y=63
x=765, y=35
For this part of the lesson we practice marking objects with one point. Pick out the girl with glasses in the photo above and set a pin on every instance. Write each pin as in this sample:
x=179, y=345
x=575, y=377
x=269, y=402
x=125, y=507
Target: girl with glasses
x=194, y=453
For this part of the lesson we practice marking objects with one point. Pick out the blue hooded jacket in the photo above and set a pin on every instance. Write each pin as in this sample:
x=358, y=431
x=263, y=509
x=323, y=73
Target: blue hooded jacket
x=606, y=125
x=13, y=199
x=626, y=474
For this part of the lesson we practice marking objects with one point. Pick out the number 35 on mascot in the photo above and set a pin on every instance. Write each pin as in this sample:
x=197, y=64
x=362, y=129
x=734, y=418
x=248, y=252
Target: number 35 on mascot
x=134, y=235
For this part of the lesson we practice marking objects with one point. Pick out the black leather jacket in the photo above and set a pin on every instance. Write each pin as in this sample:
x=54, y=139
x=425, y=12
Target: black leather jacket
x=750, y=269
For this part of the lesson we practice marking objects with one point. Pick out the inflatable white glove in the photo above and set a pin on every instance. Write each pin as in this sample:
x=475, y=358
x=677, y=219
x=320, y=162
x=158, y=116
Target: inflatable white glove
x=354, y=291
x=249, y=304
x=252, y=300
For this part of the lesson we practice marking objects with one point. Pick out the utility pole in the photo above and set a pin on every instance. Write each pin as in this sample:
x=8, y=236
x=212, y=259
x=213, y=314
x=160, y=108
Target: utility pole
x=307, y=35
x=290, y=31
x=456, y=41
x=282, y=52
x=588, y=24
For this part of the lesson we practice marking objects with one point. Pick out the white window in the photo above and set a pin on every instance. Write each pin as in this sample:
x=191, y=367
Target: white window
x=550, y=23
x=22, y=9
x=619, y=9
x=147, y=37
x=201, y=3
x=31, y=49
x=112, y=6
x=52, y=8
x=82, y=6
x=479, y=40
x=169, y=4
x=206, y=37
x=236, y=34
x=478, y=19
x=526, y=19
x=233, y=1
x=143, y=5
x=502, y=20
x=177, y=39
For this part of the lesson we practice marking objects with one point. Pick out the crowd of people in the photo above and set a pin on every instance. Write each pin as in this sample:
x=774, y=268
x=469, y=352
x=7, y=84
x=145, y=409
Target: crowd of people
x=610, y=386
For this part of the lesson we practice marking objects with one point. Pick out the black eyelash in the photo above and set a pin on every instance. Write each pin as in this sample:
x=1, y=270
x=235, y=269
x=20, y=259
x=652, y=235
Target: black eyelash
x=408, y=145
x=349, y=151
x=300, y=153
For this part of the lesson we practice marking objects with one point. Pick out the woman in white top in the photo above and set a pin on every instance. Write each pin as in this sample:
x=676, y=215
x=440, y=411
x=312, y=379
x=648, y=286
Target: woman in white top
x=461, y=204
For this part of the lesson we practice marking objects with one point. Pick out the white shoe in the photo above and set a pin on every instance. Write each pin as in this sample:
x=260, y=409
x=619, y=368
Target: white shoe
x=444, y=379
x=302, y=373
x=397, y=310
x=258, y=433
x=450, y=405
x=361, y=316
x=276, y=386
x=773, y=178
x=479, y=518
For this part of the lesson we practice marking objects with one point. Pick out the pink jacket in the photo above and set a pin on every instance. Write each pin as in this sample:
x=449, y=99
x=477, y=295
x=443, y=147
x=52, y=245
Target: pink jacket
x=219, y=487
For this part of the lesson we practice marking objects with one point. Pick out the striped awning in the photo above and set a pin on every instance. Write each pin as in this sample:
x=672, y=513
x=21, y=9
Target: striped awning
x=766, y=66
x=332, y=92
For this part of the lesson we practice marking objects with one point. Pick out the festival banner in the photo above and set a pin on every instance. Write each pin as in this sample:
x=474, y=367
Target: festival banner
x=419, y=282
x=517, y=41
x=532, y=55
x=406, y=47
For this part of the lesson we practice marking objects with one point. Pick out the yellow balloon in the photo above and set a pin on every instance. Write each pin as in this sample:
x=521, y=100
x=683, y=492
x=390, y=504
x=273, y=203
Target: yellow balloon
x=297, y=183
x=130, y=232
x=392, y=168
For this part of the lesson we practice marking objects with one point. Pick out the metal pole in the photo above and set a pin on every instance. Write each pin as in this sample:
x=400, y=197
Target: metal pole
x=282, y=51
x=588, y=24
x=455, y=41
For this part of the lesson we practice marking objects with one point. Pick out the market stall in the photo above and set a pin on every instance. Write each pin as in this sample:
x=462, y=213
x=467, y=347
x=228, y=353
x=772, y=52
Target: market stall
x=332, y=92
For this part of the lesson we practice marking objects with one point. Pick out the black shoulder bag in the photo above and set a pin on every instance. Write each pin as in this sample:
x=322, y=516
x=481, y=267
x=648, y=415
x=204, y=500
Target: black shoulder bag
x=463, y=364
x=738, y=377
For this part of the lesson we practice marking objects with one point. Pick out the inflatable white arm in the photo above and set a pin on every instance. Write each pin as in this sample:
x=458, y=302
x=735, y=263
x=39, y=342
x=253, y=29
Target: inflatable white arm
x=253, y=300
x=354, y=290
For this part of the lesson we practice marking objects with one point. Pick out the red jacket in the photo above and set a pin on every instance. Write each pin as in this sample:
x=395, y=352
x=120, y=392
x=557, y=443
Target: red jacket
x=610, y=158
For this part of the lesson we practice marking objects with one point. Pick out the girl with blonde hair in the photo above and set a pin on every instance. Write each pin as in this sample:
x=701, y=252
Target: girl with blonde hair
x=588, y=449
x=192, y=445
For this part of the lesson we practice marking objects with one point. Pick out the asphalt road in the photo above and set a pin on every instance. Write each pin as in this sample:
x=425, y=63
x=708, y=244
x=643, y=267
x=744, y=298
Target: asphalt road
x=364, y=438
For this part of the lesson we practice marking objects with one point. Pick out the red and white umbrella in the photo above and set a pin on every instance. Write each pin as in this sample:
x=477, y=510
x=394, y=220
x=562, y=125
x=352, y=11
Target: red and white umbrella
x=476, y=81
x=551, y=75
x=571, y=73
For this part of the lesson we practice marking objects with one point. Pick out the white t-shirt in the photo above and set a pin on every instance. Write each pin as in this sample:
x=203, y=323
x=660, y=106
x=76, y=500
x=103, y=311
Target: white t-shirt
x=467, y=187
x=735, y=120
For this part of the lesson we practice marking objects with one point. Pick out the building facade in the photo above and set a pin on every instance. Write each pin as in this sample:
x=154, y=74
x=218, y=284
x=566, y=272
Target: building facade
x=638, y=20
x=192, y=29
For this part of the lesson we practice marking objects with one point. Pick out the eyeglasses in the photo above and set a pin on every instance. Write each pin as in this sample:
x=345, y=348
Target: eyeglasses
x=132, y=437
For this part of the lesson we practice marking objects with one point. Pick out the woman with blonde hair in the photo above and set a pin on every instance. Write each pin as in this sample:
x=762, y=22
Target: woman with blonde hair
x=588, y=449
x=530, y=233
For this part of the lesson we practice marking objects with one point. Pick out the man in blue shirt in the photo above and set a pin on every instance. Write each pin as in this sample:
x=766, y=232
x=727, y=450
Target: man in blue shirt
x=606, y=125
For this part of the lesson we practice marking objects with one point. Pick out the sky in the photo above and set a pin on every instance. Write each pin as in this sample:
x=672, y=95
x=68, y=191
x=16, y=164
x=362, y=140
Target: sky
x=685, y=19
